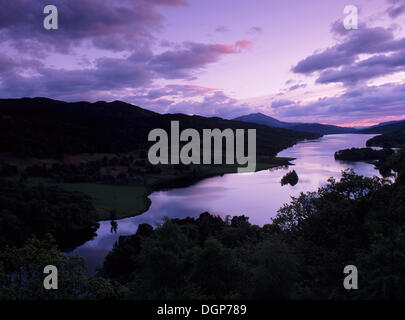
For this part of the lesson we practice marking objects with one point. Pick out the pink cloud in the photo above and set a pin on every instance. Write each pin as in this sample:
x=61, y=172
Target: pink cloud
x=178, y=63
x=200, y=88
x=244, y=44
x=170, y=2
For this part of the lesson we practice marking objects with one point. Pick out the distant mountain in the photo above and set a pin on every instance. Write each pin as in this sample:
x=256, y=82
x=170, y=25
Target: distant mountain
x=44, y=127
x=388, y=122
x=321, y=128
x=318, y=128
x=386, y=128
x=261, y=118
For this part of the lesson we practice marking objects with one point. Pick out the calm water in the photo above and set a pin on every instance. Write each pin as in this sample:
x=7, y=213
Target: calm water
x=258, y=195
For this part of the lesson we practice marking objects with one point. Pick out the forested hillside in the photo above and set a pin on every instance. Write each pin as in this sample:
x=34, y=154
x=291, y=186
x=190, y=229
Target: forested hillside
x=388, y=128
x=50, y=128
x=394, y=139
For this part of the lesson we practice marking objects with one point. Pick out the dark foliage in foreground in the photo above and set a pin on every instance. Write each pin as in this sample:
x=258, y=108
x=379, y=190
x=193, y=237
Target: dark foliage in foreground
x=21, y=275
x=301, y=255
x=36, y=211
x=201, y=259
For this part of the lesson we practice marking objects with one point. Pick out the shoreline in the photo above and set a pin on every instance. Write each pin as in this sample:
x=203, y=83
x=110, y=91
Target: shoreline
x=184, y=182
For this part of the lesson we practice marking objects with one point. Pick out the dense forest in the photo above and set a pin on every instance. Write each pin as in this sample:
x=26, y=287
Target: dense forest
x=37, y=211
x=394, y=139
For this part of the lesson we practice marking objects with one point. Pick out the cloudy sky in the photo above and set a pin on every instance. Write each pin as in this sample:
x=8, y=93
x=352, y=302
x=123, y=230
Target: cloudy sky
x=291, y=59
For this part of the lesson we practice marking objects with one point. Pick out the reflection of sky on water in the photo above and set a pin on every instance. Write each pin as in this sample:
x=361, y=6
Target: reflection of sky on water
x=258, y=195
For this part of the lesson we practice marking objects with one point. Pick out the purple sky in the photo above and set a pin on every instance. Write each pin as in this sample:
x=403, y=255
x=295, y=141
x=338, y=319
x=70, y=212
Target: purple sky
x=291, y=59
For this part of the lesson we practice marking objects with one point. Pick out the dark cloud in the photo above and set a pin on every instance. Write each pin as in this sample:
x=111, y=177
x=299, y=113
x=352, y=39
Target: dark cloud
x=358, y=56
x=125, y=25
x=138, y=70
x=184, y=91
x=181, y=99
x=112, y=25
x=353, y=43
x=396, y=8
x=108, y=74
x=320, y=61
x=341, y=62
x=175, y=64
x=297, y=86
x=217, y=104
x=10, y=65
x=367, y=69
x=254, y=30
x=281, y=103
x=222, y=29
x=191, y=99
x=363, y=102
x=170, y=2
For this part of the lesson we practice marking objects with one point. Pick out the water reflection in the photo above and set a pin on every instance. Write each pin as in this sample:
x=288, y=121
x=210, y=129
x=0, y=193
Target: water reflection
x=257, y=196
x=114, y=226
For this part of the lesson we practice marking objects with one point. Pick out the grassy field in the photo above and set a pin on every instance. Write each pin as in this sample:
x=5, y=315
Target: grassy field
x=126, y=201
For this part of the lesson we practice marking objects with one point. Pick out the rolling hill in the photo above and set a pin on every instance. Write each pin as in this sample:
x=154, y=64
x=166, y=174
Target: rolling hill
x=385, y=128
x=322, y=128
x=43, y=127
x=392, y=134
x=261, y=118
x=317, y=128
x=388, y=140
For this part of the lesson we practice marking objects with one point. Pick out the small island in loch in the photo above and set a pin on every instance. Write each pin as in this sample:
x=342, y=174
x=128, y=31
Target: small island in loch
x=290, y=178
x=363, y=154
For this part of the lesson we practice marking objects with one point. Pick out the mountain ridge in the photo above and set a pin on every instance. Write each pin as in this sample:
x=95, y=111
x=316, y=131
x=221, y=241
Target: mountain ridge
x=318, y=128
x=45, y=127
x=386, y=127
